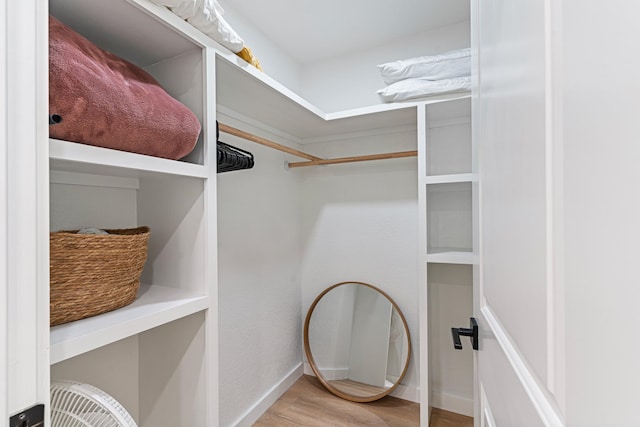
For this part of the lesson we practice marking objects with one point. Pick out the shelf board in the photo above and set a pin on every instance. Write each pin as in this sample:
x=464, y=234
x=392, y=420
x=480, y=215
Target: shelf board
x=451, y=178
x=252, y=96
x=74, y=157
x=451, y=256
x=155, y=306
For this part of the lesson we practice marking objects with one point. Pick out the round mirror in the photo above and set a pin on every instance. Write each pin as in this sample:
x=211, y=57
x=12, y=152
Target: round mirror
x=357, y=341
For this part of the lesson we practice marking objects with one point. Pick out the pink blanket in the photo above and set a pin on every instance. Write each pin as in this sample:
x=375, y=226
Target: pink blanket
x=108, y=102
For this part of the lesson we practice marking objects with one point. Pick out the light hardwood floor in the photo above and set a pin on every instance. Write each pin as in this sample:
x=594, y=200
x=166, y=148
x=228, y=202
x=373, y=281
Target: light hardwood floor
x=442, y=418
x=307, y=403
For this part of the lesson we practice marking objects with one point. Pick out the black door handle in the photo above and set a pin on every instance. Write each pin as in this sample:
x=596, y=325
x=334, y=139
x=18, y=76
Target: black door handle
x=467, y=332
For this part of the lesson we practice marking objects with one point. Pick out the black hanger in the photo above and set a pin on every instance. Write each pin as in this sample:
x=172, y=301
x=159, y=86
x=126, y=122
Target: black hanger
x=231, y=158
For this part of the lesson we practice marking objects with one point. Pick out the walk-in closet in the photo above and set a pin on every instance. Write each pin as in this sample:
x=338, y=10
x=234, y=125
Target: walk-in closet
x=434, y=161
x=235, y=257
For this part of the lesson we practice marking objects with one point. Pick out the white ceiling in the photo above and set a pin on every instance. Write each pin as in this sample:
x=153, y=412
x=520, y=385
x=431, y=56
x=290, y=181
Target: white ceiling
x=310, y=30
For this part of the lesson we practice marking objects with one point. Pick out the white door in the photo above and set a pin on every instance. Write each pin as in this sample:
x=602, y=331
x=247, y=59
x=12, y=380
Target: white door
x=516, y=365
x=557, y=123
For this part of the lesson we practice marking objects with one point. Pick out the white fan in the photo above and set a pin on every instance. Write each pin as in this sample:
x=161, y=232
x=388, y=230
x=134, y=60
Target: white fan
x=75, y=404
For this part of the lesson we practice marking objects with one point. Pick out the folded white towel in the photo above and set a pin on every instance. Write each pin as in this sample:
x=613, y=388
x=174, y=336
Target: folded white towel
x=416, y=88
x=449, y=65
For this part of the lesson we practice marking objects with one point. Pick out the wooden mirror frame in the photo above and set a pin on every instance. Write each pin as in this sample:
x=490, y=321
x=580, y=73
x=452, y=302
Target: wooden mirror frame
x=316, y=370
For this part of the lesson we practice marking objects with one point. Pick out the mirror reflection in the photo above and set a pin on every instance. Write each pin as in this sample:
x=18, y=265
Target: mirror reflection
x=357, y=341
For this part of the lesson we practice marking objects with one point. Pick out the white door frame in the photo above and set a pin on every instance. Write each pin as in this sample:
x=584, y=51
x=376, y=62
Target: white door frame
x=24, y=207
x=4, y=413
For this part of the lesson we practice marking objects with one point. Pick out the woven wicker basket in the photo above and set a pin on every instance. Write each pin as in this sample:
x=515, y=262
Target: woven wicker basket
x=92, y=274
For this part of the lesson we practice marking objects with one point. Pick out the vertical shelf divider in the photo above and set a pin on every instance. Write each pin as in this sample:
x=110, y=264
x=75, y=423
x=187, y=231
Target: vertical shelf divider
x=423, y=291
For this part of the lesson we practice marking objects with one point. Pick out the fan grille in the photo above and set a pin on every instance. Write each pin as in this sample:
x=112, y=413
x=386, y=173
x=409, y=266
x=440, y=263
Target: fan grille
x=75, y=404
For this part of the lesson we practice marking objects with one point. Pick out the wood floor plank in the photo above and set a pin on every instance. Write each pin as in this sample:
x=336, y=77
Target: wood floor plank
x=354, y=388
x=307, y=403
x=442, y=418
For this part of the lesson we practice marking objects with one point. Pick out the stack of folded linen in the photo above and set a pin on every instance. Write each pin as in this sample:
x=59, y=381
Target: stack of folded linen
x=207, y=16
x=426, y=75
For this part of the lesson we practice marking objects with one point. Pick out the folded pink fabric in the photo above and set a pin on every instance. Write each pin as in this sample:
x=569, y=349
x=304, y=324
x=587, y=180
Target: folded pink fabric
x=108, y=102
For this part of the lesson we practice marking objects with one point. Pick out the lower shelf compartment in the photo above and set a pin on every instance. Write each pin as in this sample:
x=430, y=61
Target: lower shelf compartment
x=450, y=305
x=160, y=376
x=154, y=306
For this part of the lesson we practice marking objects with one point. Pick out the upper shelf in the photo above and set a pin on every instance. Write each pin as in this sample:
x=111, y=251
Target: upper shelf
x=146, y=34
x=73, y=157
x=253, y=96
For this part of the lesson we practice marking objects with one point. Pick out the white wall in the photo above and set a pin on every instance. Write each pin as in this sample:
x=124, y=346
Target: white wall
x=273, y=60
x=351, y=81
x=360, y=224
x=259, y=281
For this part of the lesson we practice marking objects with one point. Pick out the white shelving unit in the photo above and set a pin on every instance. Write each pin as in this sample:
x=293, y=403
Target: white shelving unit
x=92, y=186
x=446, y=182
x=445, y=198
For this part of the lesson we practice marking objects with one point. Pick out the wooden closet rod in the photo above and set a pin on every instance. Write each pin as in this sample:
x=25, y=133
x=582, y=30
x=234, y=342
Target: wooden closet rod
x=396, y=155
x=253, y=138
x=313, y=160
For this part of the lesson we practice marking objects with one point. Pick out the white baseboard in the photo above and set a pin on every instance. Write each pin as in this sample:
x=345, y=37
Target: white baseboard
x=452, y=403
x=401, y=392
x=406, y=392
x=329, y=374
x=260, y=407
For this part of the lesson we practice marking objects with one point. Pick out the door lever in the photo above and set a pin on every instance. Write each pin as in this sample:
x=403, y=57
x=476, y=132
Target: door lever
x=467, y=332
